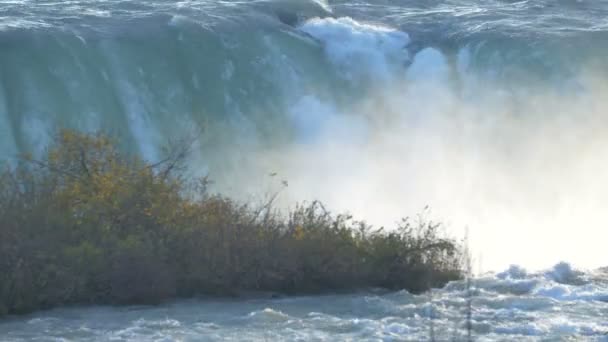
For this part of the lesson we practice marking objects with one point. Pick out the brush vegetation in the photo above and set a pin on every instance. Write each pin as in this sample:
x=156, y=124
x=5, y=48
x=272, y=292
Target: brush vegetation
x=89, y=224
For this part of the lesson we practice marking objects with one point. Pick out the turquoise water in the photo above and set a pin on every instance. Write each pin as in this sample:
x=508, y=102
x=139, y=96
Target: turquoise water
x=147, y=71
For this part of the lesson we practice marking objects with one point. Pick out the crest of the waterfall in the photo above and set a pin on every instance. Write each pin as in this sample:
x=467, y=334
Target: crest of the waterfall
x=295, y=10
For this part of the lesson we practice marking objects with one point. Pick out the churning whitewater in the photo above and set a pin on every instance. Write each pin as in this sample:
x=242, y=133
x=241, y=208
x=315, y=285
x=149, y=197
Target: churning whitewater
x=491, y=112
x=514, y=305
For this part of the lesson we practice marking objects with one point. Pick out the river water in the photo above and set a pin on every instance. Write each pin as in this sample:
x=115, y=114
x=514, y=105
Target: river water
x=560, y=304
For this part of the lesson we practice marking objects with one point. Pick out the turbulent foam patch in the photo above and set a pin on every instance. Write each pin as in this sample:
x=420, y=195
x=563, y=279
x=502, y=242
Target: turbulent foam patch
x=564, y=273
x=360, y=50
x=551, y=310
x=268, y=315
x=513, y=272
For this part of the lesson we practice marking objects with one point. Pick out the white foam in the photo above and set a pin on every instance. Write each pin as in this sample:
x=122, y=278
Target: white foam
x=268, y=315
x=429, y=65
x=563, y=292
x=360, y=50
x=513, y=286
x=513, y=272
x=564, y=273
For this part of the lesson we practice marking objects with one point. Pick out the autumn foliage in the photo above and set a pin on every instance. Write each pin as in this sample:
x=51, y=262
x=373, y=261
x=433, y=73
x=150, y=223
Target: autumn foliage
x=89, y=224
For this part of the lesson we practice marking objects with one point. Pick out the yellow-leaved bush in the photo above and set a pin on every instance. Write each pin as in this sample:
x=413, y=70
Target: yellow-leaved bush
x=89, y=223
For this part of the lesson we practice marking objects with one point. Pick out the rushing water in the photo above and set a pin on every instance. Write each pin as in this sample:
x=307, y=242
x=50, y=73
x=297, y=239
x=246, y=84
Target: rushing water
x=492, y=112
x=558, y=305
